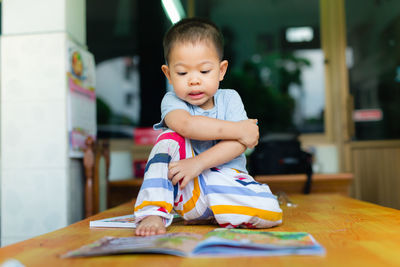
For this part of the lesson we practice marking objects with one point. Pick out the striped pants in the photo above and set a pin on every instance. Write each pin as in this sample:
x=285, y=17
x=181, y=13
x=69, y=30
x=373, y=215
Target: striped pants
x=232, y=198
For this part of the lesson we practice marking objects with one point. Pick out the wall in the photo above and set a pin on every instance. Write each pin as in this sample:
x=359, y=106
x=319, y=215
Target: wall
x=41, y=187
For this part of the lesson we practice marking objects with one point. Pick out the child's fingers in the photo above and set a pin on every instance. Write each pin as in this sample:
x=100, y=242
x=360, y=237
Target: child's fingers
x=255, y=121
x=171, y=173
x=177, y=177
x=185, y=181
x=173, y=169
x=172, y=164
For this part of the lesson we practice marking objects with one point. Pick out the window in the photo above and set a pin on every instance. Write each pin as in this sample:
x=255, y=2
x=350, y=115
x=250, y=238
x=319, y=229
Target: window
x=125, y=37
x=373, y=38
x=275, y=61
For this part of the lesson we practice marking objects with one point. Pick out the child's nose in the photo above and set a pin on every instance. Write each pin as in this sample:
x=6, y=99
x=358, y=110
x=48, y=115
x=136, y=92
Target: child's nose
x=194, y=80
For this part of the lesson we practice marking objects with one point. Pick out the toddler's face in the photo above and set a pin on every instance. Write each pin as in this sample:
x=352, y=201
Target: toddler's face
x=194, y=70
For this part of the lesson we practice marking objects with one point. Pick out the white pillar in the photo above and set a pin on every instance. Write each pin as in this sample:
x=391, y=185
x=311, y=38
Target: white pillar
x=41, y=187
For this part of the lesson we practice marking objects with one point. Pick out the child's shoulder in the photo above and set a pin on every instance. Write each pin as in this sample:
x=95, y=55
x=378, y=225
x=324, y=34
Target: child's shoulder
x=228, y=95
x=227, y=92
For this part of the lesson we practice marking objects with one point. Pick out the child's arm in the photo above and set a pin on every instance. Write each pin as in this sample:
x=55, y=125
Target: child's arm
x=205, y=128
x=187, y=169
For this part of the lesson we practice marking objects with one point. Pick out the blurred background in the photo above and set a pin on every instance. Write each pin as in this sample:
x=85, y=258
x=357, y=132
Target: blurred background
x=275, y=60
x=275, y=55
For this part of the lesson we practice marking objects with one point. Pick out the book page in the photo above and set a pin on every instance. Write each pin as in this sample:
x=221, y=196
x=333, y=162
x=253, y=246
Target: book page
x=179, y=244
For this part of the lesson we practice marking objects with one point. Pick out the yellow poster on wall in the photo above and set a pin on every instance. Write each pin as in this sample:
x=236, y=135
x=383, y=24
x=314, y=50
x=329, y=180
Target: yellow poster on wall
x=81, y=98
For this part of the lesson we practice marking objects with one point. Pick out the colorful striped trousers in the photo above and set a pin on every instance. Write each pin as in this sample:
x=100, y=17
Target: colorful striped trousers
x=230, y=197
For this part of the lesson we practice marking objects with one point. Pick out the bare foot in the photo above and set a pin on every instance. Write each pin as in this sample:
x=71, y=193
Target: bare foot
x=151, y=225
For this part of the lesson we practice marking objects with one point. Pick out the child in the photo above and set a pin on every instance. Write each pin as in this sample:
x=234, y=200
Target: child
x=197, y=166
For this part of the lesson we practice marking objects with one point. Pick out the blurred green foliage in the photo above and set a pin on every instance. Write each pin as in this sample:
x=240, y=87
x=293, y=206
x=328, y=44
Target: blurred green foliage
x=263, y=85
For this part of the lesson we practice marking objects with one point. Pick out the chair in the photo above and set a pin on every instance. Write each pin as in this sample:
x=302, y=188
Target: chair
x=96, y=162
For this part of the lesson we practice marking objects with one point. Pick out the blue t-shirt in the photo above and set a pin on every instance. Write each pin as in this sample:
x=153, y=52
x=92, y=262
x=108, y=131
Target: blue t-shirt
x=227, y=106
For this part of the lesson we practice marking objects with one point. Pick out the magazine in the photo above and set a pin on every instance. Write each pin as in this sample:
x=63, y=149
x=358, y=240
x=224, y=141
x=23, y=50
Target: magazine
x=125, y=221
x=217, y=243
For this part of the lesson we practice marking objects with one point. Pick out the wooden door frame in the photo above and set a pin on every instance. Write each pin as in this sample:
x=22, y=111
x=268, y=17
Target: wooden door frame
x=339, y=126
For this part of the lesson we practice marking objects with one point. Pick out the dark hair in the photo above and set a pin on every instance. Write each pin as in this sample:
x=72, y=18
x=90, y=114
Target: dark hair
x=193, y=30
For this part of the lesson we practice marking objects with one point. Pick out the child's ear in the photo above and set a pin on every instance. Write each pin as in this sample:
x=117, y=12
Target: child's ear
x=165, y=69
x=223, y=66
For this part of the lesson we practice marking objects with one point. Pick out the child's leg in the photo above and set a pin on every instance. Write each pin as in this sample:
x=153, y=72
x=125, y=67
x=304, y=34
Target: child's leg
x=238, y=201
x=157, y=196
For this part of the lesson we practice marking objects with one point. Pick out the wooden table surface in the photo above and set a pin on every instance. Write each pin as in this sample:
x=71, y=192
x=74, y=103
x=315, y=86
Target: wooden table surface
x=354, y=233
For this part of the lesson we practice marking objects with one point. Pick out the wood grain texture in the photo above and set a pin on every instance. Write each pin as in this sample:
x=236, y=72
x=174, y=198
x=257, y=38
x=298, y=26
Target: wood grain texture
x=354, y=233
x=123, y=191
x=321, y=183
x=376, y=167
x=96, y=162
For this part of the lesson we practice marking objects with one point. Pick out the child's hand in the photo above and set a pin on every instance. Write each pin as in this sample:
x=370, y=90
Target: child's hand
x=249, y=133
x=184, y=170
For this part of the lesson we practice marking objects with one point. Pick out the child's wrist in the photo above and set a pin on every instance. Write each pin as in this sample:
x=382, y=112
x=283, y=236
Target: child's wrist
x=201, y=163
x=238, y=131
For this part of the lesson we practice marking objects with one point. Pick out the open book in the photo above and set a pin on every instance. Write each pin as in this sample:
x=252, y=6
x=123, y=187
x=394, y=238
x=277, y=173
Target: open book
x=217, y=243
x=125, y=221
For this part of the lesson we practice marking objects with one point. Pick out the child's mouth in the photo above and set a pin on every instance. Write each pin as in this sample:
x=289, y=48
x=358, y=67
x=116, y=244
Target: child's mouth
x=196, y=95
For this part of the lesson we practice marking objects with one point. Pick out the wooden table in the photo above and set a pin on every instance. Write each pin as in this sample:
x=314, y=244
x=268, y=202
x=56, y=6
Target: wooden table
x=321, y=183
x=354, y=233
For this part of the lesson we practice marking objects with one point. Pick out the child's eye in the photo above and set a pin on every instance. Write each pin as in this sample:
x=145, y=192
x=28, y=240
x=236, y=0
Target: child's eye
x=205, y=71
x=181, y=73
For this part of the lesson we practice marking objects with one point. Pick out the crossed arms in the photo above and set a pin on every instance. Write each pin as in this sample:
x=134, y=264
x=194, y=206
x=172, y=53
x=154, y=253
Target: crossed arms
x=235, y=138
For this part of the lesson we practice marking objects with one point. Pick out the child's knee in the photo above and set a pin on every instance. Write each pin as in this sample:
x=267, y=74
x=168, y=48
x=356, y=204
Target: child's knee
x=171, y=143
